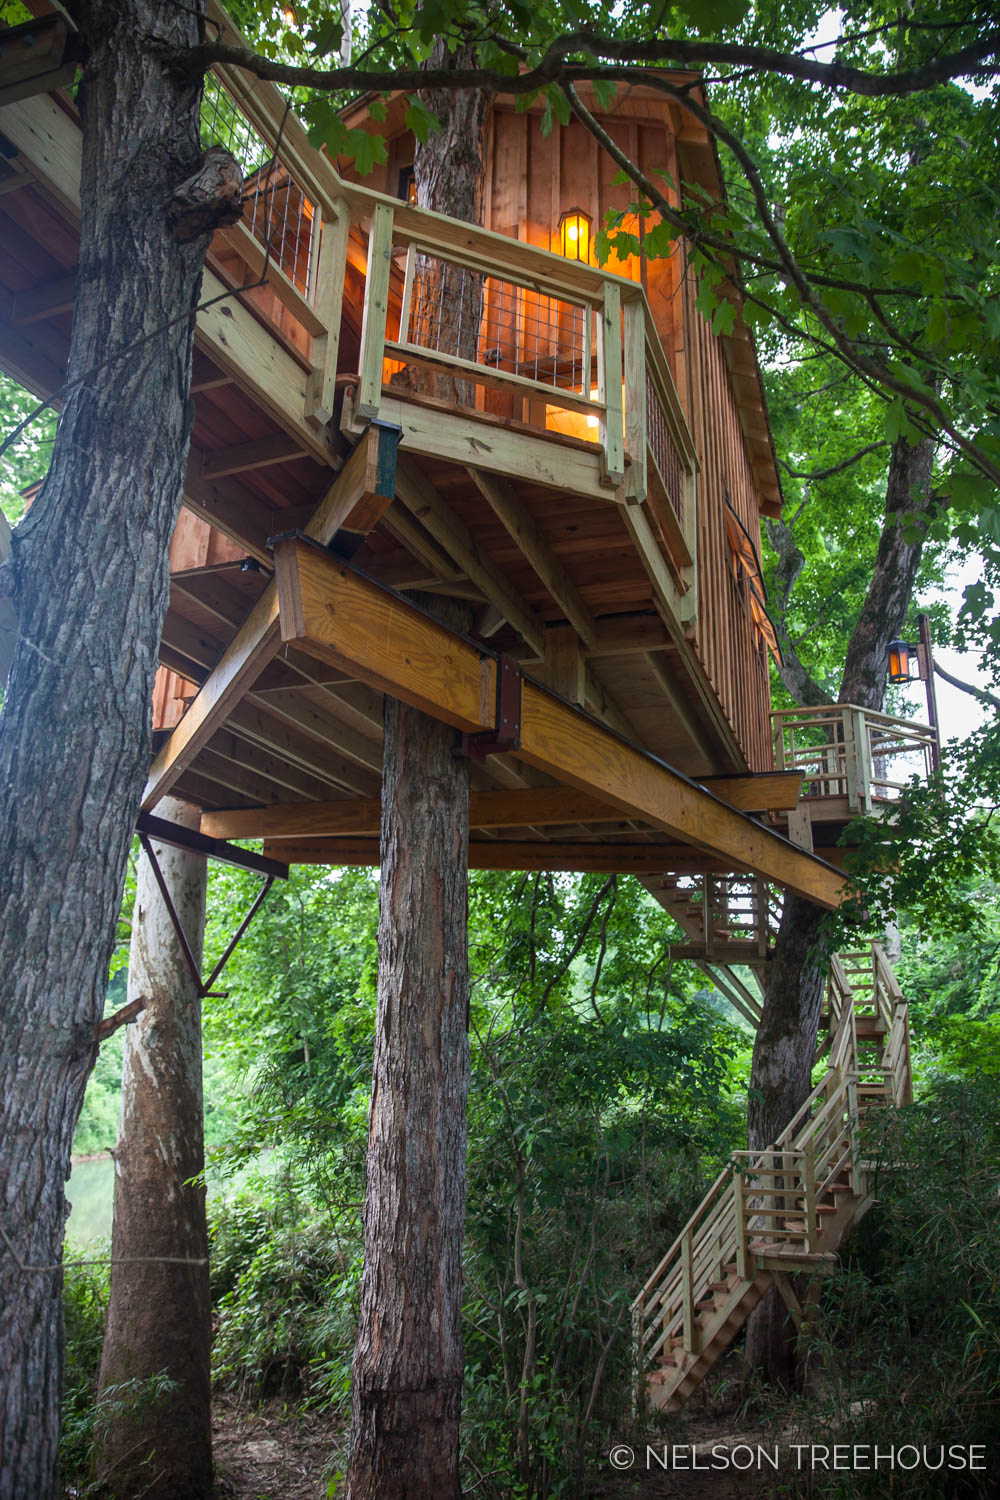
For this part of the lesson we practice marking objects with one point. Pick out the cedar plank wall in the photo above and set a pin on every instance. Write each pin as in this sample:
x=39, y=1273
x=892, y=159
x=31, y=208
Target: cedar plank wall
x=724, y=639
x=536, y=178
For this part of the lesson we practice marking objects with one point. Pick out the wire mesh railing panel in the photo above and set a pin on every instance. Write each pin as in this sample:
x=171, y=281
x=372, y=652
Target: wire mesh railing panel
x=275, y=209
x=499, y=325
x=664, y=451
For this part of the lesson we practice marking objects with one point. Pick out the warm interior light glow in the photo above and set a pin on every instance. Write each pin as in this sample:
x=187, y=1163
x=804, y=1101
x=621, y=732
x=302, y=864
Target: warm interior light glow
x=288, y=11
x=900, y=657
x=574, y=234
x=593, y=420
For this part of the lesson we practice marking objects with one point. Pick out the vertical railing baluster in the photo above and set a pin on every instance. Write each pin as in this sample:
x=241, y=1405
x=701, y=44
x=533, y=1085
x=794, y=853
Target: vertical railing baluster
x=635, y=398
x=809, y=1185
x=329, y=268
x=609, y=386
x=741, y=1226
x=687, y=1293
x=375, y=310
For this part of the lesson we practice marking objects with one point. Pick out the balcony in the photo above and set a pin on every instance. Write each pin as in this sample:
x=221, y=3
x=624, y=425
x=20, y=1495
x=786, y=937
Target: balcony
x=856, y=762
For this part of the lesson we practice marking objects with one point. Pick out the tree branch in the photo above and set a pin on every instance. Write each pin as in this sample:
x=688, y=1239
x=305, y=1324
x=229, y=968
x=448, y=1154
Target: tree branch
x=661, y=51
x=968, y=687
x=834, y=468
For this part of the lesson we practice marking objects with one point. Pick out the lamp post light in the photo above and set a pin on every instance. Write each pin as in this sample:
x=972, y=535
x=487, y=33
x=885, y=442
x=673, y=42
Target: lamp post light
x=904, y=656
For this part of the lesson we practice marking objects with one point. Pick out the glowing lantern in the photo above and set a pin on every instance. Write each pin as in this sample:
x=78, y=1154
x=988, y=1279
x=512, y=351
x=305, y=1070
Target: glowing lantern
x=901, y=657
x=574, y=234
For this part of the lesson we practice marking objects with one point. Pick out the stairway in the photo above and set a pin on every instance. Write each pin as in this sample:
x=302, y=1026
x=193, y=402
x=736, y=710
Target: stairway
x=786, y=1209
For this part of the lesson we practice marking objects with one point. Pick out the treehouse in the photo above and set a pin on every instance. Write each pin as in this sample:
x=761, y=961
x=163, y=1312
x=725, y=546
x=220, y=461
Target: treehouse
x=393, y=406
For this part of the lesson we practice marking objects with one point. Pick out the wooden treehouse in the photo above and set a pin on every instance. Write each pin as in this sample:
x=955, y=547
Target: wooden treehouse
x=588, y=479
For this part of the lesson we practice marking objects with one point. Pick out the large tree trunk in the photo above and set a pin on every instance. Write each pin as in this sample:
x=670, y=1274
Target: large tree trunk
x=89, y=577
x=407, y=1373
x=449, y=170
x=408, y=1356
x=159, y=1317
x=796, y=973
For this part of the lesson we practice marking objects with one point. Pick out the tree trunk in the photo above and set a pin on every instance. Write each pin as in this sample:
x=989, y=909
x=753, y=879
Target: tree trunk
x=408, y=1356
x=796, y=973
x=449, y=170
x=780, y=1073
x=159, y=1317
x=89, y=579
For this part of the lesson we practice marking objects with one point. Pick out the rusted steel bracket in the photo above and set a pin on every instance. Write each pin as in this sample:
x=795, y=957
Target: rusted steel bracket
x=506, y=733
x=184, y=838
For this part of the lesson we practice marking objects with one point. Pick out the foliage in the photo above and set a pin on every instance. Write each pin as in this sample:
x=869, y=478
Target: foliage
x=931, y=857
x=85, y=1306
x=25, y=462
x=283, y=1278
x=910, y=1328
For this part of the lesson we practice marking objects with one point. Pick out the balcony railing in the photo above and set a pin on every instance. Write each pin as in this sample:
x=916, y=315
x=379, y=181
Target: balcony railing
x=851, y=753
x=543, y=344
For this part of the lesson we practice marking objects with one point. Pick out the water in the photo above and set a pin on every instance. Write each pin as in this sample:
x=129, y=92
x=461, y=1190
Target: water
x=91, y=1190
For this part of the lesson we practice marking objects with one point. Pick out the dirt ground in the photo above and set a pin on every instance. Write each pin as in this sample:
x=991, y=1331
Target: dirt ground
x=281, y=1453
x=276, y=1452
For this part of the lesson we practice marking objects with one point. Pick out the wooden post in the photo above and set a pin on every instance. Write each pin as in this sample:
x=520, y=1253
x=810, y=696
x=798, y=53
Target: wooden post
x=327, y=293
x=809, y=1186
x=742, y=1265
x=609, y=386
x=691, y=1339
x=375, y=309
x=926, y=659
x=862, y=749
x=857, y=1173
x=565, y=668
x=635, y=399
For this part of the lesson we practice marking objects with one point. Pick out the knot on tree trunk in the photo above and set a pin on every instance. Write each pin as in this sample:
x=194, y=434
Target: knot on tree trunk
x=207, y=200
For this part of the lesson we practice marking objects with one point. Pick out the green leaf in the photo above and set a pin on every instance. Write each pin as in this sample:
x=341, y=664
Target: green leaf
x=368, y=150
x=327, y=37
x=377, y=109
x=605, y=93
x=725, y=318
x=420, y=119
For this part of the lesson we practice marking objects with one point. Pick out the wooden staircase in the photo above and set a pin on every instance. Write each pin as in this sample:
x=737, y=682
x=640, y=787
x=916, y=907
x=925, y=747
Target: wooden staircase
x=786, y=1209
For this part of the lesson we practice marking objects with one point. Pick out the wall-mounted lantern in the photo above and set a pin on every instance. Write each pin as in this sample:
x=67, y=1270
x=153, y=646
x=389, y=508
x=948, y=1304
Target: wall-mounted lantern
x=574, y=234
x=902, y=659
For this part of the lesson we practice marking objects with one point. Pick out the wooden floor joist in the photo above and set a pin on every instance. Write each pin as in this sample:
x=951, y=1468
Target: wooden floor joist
x=342, y=617
x=575, y=856
x=532, y=807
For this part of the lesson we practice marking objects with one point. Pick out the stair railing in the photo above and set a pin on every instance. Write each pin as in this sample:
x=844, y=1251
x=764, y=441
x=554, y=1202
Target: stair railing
x=771, y=1199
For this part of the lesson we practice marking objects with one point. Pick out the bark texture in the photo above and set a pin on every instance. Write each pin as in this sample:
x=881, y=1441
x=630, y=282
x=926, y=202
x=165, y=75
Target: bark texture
x=89, y=577
x=408, y=1356
x=796, y=974
x=449, y=170
x=159, y=1316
